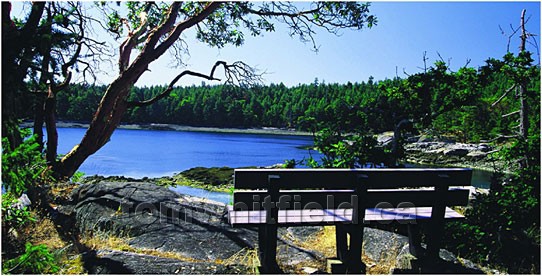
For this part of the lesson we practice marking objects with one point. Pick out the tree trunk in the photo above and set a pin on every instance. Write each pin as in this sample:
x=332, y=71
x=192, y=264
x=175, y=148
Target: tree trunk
x=50, y=124
x=106, y=119
x=39, y=119
x=523, y=111
x=16, y=45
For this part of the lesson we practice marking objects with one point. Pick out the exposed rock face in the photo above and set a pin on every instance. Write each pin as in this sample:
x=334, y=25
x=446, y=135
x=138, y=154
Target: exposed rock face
x=120, y=262
x=448, y=153
x=152, y=217
x=442, y=151
x=388, y=253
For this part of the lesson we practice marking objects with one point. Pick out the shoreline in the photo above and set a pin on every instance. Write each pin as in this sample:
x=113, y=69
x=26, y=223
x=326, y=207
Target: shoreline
x=173, y=127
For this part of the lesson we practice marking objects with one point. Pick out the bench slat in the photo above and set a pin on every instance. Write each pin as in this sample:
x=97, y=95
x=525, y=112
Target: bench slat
x=333, y=199
x=335, y=216
x=346, y=178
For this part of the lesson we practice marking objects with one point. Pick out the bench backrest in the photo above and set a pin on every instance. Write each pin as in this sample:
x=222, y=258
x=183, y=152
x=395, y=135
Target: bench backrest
x=335, y=188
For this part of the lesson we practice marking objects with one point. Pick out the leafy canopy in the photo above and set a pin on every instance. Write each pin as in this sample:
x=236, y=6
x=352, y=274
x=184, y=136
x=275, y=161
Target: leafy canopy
x=232, y=21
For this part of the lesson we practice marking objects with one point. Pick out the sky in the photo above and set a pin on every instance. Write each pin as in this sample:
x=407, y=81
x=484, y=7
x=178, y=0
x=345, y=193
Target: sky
x=454, y=31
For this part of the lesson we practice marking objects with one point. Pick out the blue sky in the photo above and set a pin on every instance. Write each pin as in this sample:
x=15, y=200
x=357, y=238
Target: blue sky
x=457, y=30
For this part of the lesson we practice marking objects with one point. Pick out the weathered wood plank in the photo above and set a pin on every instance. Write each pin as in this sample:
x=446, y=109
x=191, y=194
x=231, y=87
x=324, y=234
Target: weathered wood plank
x=346, y=178
x=335, y=199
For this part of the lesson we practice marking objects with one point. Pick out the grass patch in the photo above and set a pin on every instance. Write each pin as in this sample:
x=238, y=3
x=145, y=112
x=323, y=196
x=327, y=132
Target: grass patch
x=246, y=257
x=180, y=180
x=45, y=232
x=106, y=241
x=72, y=264
x=325, y=243
x=212, y=179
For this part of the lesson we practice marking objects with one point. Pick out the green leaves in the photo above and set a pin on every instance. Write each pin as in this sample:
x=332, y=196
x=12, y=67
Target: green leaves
x=348, y=151
x=12, y=215
x=36, y=260
x=23, y=166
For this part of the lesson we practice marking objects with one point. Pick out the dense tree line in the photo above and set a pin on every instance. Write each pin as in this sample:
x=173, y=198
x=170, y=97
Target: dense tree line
x=436, y=100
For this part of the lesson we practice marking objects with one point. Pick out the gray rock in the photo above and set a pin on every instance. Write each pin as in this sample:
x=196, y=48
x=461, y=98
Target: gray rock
x=485, y=148
x=477, y=154
x=425, y=138
x=455, y=152
x=382, y=246
x=303, y=233
x=448, y=153
x=154, y=217
x=385, y=138
x=120, y=262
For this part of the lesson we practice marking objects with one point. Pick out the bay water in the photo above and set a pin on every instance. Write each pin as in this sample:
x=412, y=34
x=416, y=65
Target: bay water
x=156, y=153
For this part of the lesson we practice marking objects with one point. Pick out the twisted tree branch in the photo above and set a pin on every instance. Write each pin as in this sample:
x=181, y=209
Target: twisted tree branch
x=236, y=72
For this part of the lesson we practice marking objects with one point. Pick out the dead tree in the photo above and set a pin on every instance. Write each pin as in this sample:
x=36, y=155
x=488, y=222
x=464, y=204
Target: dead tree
x=520, y=88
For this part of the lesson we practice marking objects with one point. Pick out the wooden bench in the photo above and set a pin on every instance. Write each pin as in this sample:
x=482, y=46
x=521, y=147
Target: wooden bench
x=349, y=199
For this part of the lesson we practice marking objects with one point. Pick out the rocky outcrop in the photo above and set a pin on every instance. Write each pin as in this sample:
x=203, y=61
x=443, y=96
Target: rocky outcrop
x=388, y=253
x=449, y=154
x=121, y=262
x=156, y=218
x=442, y=151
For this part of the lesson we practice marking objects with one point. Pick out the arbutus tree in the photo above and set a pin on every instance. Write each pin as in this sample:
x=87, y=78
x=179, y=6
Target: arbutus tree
x=151, y=29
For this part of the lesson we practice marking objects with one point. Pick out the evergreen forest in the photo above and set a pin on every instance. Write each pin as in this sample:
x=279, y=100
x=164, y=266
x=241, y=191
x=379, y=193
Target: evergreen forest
x=444, y=102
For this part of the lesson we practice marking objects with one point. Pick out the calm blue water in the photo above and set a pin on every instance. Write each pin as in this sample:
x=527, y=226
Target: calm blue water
x=197, y=192
x=153, y=153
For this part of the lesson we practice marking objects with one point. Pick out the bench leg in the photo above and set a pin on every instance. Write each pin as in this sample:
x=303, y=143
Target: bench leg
x=414, y=241
x=354, y=265
x=267, y=241
x=341, y=241
x=434, y=238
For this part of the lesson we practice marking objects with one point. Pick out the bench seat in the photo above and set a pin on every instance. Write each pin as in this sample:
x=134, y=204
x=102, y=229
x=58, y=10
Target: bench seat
x=335, y=216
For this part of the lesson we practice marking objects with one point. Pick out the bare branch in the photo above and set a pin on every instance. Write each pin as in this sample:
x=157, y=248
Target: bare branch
x=236, y=72
x=242, y=74
x=404, y=72
x=500, y=137
x=514, y=31
x=503, y=95
x=425, y=61
x=179, y=50
x=510, y=114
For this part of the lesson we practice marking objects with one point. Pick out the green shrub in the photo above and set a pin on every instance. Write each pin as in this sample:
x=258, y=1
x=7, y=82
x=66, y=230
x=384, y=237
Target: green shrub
x=77, y=177
x=13, y=216
x=36, y=259
x=349, y=151
x=502, y=228
x=22, y=166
